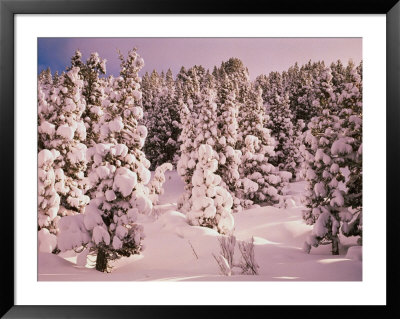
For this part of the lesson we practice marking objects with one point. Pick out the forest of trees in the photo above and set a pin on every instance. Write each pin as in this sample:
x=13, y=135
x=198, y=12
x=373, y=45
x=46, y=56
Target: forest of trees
x=234, y=142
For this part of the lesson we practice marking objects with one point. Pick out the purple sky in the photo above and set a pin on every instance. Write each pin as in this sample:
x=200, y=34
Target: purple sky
x=260, y=55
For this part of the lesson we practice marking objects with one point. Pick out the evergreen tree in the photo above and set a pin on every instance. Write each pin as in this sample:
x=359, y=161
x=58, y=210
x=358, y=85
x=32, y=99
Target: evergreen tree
x=287, y=157
x=332, y=145
x=61, y=128
x=93, y=91
x=162, y=120
x=185, y=166
x=199, y=128
x=351, y=101
x=118, y=176
x=48, y=202
x=211, y=202
x=156, y=183
x=257, y=147
x=229, y=159
x=324, y=197
x=45, y=78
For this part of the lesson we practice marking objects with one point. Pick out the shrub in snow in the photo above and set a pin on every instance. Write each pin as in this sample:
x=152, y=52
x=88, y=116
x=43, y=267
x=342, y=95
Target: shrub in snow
x=156, y=184
x=223, y=264
x=248, y=263
x=211, y=203
x=225, y=259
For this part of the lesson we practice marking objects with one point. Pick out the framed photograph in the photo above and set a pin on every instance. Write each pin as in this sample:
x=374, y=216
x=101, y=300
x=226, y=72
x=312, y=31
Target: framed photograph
x=173, y=154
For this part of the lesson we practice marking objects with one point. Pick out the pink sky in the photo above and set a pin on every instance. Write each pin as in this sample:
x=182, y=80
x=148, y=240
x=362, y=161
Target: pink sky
x=260, y=55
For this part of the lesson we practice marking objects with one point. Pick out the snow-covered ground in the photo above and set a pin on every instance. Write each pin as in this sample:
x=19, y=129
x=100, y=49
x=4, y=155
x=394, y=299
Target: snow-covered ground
x=175, y=251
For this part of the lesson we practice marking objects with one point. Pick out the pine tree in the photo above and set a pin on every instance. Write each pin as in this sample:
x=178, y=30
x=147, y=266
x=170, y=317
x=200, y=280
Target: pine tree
x=350, y=99
x=92, y=91
x=61, y=128
x=280, y=123
x=48, y=201
x=229, y=159
x=190, y=84
x=45, y=79
x=318, y=91
x=324, y=198
x=156, y=183
x=194, y=98
x=186, y=166
x=198, y=128
x=338, y=76
x=332, y=145
x=257, y=147
x=211, y=202
x=118, y=176
x=162, y=120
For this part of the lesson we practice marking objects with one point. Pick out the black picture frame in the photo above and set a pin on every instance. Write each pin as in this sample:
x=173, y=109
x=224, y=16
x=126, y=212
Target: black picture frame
x=8, y=10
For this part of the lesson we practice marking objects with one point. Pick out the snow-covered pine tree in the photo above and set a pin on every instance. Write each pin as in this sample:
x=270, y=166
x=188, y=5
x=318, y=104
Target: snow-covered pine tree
x=323, y=197
x=322, y=90
x=151, y=117
x=92, y=91
x=307, y=85
x=157, y=182
x=229, y=158
x=162, y=121
x=338, y=76
x=257, y=147
x=48, y=201
x=61, y=128
x=350, y=100
x=191, y=95
x=251, y=119
x=211, y=202
x=172, y=98
x=325, y=148
x=45, y=79
x=271, y=86
x=110, y=217
x=190, y=84
x=296, y=83
x=198, y=128
x=119, y=175
x=332, y=145
x=56, y=78
x=287, y=157
x=185, y=167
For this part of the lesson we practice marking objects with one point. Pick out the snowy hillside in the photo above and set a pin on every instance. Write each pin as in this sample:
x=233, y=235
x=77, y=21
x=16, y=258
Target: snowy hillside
x=175, y=251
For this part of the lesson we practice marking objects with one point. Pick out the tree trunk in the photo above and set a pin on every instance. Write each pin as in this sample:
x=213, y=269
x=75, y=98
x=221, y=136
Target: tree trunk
x=101, y=260
x=335, y=245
